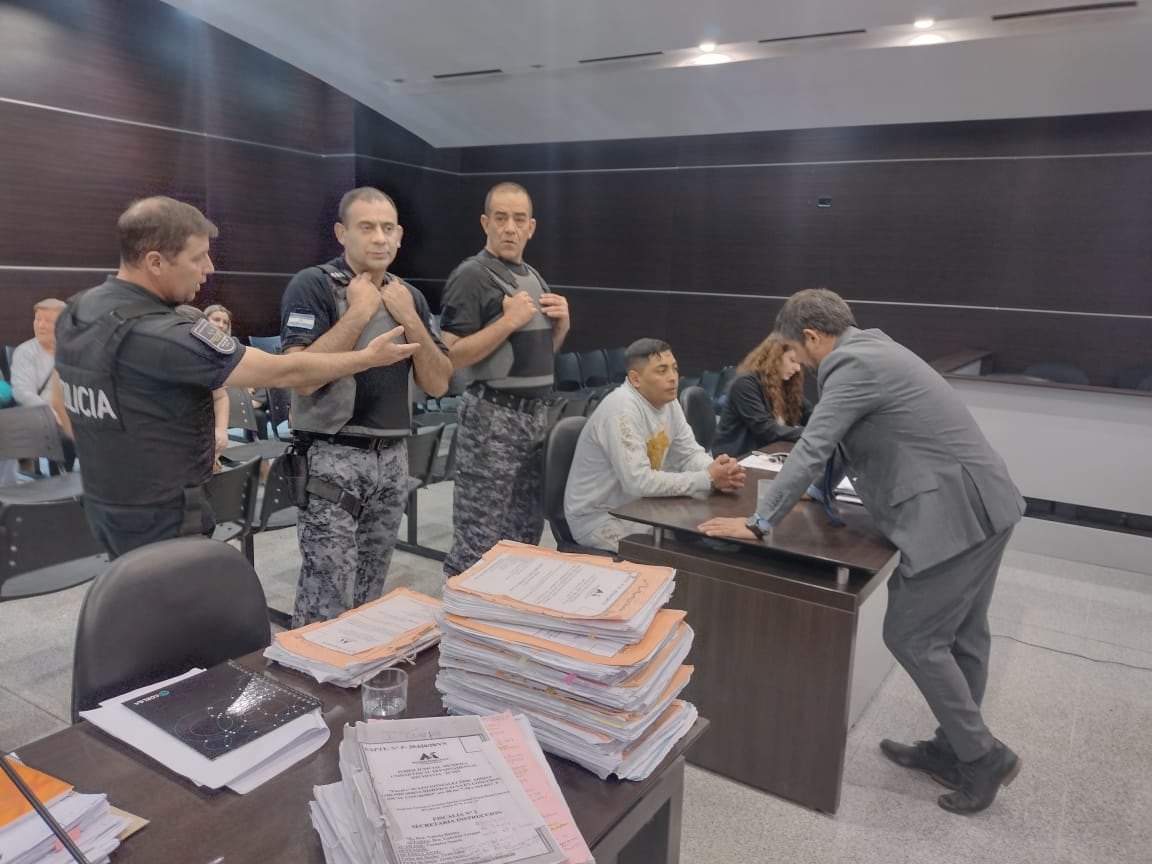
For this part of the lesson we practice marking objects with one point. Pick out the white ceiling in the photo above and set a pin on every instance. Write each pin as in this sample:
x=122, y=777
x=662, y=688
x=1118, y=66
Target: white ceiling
x=1068, y=64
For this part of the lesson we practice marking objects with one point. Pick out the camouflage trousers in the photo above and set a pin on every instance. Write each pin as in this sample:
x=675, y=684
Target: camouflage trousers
x=499, y=471
x=344, y=561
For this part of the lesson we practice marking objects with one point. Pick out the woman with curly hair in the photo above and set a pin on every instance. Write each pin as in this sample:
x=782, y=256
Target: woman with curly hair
x=765, y=401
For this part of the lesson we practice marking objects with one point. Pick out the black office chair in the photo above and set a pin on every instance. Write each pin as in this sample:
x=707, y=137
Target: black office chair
x=594, y=368
x=1062, y=373
x=721, y=394
x=1130, y=377
x=278, y=408
x=617, y=365
x=47, y=543
x=567, y=370
x=710, y=381
x=162, y=609
x=233, y=494
x=423, y=447
x=241, y=413
x=700, y=413
x=559, y=448
x=575, y=405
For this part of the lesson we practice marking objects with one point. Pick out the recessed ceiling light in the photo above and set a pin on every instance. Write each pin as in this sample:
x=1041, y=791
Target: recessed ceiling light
x=708, y=46
x=923, y=23
x=711, y=59
x=927, y=39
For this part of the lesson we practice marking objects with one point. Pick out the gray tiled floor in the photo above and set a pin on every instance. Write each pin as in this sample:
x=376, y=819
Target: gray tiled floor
x=1084, y=728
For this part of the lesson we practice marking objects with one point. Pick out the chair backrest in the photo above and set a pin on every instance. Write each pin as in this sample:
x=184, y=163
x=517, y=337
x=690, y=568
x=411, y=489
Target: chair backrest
x=279, y=406
x=233, y=495
x=47, y=543
x=276, y=498
x=710, y=381
x=617, y=365
x=1064, y=373
x=568, y=372
x=575, y=405
x=422, y=449
x=271, y=344
x=700, y=414
x=160, y=610
x=29, y=432
x=241, y=414
x=559, y=448
x=594, y=368
x=1130, y=377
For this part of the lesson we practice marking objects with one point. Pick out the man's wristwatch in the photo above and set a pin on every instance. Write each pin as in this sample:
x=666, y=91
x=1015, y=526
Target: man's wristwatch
x=760, y=527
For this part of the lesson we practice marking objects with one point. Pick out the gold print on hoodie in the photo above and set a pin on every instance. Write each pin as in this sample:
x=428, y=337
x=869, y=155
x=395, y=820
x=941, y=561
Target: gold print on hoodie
x=657, y=447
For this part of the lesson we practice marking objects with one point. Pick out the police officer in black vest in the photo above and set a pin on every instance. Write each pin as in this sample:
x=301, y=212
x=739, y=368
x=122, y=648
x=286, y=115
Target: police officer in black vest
x=137, y=379
x=354, y=428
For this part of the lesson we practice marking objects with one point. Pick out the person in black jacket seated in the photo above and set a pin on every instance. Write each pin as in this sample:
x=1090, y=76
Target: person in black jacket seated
x=765, y=401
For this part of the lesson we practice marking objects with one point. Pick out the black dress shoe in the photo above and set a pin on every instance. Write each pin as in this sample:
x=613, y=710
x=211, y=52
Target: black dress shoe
x=982, y=779
x=927, y=756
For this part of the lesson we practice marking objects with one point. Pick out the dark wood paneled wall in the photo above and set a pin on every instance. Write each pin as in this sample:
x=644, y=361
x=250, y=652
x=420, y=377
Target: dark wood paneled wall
x=105, y=101
x=1026, y=237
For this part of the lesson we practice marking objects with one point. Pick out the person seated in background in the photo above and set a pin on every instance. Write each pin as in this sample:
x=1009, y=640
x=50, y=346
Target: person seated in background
x=220, y=317
x=33, y=363
x=765, y=401
x=221, y=408
x=638, y=444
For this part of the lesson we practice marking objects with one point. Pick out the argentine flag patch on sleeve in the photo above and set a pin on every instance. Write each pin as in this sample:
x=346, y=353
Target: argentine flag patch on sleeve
x=301, y=321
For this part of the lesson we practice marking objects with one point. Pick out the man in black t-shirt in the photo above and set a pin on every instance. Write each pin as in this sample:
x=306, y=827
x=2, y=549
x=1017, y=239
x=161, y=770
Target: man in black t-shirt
x=503, y=325
x=355, y=427
x=136, y=379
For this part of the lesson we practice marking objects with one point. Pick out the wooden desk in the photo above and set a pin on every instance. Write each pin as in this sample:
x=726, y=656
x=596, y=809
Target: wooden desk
x=786, y=660
x=622, y=821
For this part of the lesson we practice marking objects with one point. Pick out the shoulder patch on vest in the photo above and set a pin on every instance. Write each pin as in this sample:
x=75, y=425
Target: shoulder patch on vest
x=213, y=337
x=301, y=320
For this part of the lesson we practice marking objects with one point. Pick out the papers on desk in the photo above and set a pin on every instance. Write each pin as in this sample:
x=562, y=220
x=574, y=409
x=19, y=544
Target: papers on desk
x=241, y=769
x=579, y=645
x=349, y=650
x=26, y=839
x=764, y=461
x=445, y=789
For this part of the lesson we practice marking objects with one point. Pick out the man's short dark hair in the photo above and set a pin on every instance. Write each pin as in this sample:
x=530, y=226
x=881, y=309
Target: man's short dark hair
x=637, y=354
x=159, y=224
x=506, y=186
x=813, y=309
x=363, y=193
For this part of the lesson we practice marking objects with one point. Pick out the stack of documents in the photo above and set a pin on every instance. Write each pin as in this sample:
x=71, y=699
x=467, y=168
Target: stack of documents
x=460, y=789
x=580, y=645
x=238, y=735
x=26, y=839
x=349, y=650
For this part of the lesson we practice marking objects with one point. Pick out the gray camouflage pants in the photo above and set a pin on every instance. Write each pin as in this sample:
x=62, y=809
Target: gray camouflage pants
x=499, y=470
x=345, y=560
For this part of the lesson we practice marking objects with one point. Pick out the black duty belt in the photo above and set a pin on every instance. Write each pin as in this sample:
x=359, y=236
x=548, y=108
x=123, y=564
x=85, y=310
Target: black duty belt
x=360, y=442
x=505, y=399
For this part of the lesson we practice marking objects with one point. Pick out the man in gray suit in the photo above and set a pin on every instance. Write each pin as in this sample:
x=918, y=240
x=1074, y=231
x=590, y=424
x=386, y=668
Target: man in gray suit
x=936, y=488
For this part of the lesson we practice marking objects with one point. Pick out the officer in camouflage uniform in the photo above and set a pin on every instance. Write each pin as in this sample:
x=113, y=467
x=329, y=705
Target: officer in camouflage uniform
x=354, y=428
x=503, y=324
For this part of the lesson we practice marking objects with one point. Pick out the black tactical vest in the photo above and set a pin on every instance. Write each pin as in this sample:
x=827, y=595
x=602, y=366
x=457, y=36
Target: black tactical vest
x=342, y=406
x=125, y=444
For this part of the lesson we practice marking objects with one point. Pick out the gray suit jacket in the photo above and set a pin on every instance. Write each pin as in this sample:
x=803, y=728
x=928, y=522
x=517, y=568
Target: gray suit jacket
x=923, y=469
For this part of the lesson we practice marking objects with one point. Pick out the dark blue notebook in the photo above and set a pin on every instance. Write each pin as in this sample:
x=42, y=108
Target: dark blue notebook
x=222, y=708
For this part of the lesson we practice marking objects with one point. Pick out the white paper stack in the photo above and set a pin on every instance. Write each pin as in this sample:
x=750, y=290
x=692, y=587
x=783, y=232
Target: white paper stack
x=577, y=643
x=460, y=789
x=350, y=649
x=26, y=839
x=242, y=769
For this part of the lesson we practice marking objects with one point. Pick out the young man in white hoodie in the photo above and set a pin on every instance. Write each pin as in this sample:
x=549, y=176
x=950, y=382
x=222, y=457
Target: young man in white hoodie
x=638, y=444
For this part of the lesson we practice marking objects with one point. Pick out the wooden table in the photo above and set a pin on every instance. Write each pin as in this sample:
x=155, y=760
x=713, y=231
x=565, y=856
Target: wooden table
x=622, y=821
x=786, y=659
